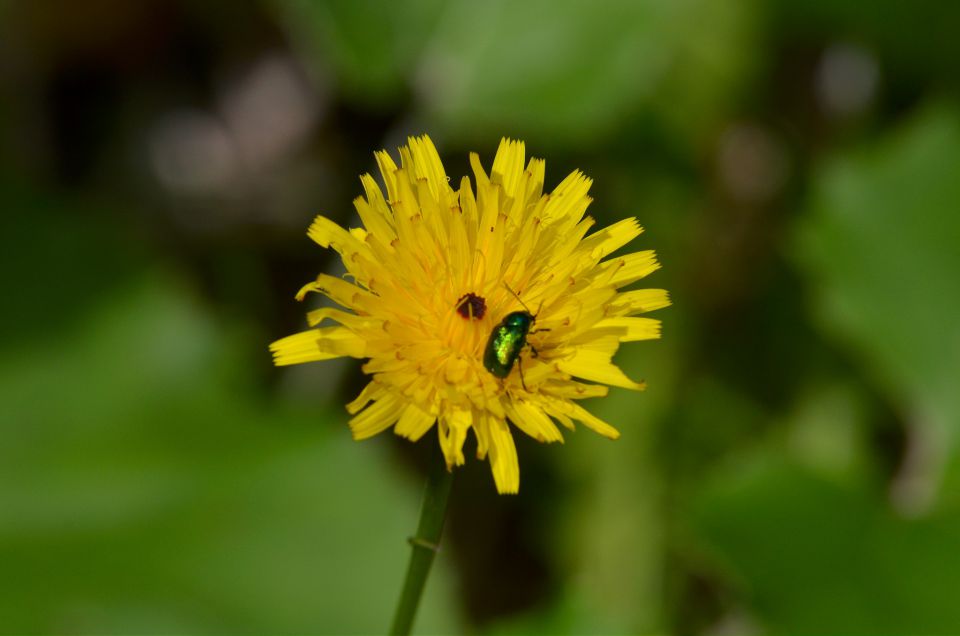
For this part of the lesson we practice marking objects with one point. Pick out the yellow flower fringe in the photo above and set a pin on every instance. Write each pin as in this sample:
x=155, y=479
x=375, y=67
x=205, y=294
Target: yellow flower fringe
x=425, y=246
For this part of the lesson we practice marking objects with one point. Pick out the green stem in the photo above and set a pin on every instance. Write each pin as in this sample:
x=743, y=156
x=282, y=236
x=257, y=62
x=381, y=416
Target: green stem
x=425, y=544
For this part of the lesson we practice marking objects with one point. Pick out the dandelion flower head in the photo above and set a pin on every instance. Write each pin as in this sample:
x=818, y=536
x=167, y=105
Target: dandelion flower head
x=433, y=270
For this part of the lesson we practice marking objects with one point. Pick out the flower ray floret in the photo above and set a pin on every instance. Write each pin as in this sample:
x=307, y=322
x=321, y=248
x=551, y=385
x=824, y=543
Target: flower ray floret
x=432, y=272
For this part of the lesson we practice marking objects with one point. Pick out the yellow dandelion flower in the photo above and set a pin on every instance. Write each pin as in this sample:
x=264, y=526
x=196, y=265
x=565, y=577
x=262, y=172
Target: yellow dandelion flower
x=435, y=270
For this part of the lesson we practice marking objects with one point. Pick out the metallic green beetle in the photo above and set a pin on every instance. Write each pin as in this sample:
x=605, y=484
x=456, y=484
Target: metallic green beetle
x=506, y=342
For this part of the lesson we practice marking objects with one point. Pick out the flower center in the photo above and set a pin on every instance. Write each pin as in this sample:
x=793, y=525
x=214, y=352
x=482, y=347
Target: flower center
x=471, y=306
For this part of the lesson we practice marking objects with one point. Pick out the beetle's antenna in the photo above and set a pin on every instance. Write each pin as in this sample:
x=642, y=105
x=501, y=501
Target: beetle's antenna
x=517, y=296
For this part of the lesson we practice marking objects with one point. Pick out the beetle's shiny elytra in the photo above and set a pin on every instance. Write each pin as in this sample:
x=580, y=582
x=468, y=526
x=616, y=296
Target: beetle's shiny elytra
x=506, y=342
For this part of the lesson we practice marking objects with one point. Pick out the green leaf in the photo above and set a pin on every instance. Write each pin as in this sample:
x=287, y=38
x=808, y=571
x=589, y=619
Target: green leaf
x=371, y=48
x=879, y=246
x=145, y=487
x=552, y=72
x=569, y=71
x=812, y=555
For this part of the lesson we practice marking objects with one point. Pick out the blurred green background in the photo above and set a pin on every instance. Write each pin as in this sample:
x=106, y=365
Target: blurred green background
x=791, y=468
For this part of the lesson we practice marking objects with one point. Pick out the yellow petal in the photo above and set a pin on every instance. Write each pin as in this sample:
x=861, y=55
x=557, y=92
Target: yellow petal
x=632, y=329
x=596, y=366
x=342, y=342
x=374, y=220
x=537, y=169
x=569, y=200
x=627, y=269
x=375, y=418
x=427, y=164
x=479, y=175
x=317, y=344
x=317, y=316
x=343, y=293
x=372, y=391
x=503, y=458
x=575, y=390
x=609, y=239
x=481, y=430
x=388, y=170
x=453, y=428
x=326, y=233
x=532, y=420
x=593, y=422
x=639, y=301
x=508, y=165
x=414, y=422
